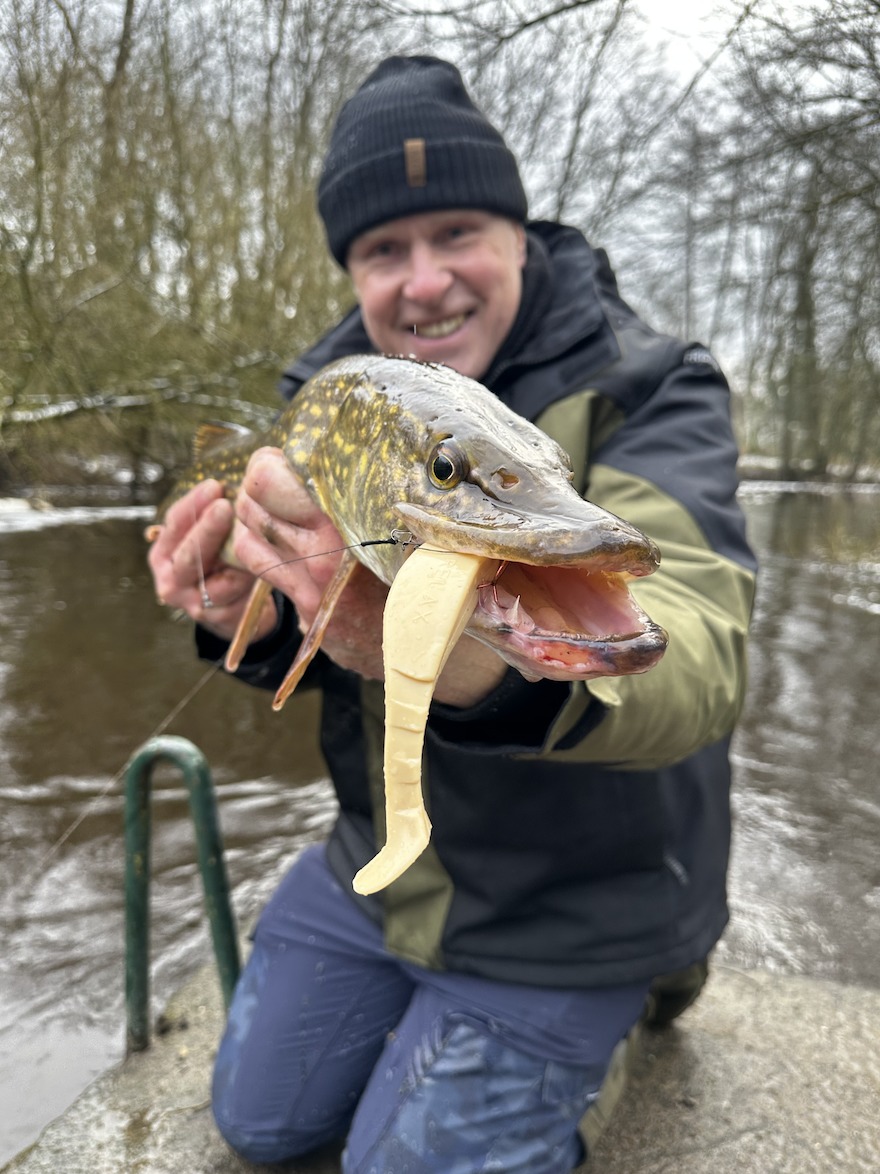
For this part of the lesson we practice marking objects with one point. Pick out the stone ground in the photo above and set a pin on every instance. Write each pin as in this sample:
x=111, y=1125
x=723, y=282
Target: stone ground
x=764, y=1075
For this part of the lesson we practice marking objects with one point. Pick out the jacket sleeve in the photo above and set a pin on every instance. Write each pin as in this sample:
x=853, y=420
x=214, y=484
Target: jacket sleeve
x=669, y=467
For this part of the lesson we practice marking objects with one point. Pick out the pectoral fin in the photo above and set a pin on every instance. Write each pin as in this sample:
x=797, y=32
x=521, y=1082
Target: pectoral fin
x=429, y=604
x=312, y=640
x=247, y=625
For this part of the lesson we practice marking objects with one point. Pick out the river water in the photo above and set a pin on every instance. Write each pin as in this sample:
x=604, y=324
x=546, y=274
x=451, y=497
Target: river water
x=90, y=667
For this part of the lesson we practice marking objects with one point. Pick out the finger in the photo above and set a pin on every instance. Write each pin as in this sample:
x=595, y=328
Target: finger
x=263, y=555
x=184, y=514
x=213, y=529
x=201, y=549
x=198, y=554
x=271, y=483
x=309, y=534
x=219, y=603
x=289, y=568
x=227, y=587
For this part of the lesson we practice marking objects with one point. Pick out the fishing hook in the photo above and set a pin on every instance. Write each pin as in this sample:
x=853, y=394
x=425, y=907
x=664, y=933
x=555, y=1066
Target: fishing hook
x=493, y=582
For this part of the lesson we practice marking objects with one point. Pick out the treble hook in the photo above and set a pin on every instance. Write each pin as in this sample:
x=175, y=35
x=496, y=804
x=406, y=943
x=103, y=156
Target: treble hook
x=493, y=582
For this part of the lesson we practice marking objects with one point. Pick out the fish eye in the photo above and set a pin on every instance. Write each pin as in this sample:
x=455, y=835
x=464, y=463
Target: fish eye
x=446, y=465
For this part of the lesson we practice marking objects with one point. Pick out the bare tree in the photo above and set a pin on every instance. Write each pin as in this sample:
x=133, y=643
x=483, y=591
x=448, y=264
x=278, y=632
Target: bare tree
x=158, y=213
x=806, y=150
x=158, y=220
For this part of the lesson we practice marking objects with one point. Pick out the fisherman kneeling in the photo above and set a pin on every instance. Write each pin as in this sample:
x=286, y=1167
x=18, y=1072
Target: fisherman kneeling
x=465, y=1019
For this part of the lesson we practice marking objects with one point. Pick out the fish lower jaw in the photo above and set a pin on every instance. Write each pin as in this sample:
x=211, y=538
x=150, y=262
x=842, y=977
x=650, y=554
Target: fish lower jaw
x=557, y=657
x=546, y=631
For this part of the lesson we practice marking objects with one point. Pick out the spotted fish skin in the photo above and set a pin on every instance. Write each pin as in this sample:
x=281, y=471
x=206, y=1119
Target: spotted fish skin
x=361, y=434
x=372, y=438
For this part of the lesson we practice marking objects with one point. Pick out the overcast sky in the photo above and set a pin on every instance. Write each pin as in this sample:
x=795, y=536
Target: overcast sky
x=692, y=28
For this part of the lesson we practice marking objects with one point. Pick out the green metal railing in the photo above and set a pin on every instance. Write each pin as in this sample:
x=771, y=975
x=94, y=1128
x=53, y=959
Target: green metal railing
x=197, y=776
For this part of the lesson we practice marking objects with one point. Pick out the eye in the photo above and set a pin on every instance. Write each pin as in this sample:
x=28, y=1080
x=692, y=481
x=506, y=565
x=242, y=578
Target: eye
x=455, y=232
x=446, y=465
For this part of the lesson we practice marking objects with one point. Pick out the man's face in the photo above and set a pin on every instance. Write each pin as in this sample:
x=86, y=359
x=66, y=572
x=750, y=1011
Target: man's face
x=443, y=287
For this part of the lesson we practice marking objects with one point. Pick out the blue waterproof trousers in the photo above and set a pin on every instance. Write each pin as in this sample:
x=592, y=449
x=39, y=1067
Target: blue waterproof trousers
x=329, y=1036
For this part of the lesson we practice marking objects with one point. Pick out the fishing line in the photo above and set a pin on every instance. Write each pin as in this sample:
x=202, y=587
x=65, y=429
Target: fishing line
x=105, y=790
x=395, y=538
x=207, y=601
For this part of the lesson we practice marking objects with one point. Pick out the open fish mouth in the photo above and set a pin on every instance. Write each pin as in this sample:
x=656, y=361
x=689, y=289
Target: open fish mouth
x=565, y=623
x=568, y=613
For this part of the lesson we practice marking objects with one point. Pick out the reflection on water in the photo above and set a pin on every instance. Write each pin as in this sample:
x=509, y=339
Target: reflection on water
x=90, y=666
x=806, y=874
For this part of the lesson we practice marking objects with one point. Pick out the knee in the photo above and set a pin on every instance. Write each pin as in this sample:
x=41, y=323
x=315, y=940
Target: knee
x=260, y=1123
x=264, y=1144
x=254, y=1145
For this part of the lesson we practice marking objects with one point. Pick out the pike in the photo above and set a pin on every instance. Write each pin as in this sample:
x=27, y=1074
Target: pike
x=499, y=546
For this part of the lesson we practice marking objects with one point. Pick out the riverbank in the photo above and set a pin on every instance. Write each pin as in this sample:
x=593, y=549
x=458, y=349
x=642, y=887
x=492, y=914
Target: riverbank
x=108, y=479
x=767, y=1073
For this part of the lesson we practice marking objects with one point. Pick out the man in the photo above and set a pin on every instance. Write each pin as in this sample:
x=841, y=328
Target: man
x=465, y=1019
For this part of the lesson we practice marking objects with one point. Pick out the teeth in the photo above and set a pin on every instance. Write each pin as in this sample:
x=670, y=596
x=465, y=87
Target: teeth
x=513, y=612
x=440, y=329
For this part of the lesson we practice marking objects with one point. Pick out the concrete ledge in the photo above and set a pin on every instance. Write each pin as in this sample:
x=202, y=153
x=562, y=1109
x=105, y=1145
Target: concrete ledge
x=765, y=1075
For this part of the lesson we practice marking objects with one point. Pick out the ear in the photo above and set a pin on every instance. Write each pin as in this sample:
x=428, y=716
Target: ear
x=521, y=247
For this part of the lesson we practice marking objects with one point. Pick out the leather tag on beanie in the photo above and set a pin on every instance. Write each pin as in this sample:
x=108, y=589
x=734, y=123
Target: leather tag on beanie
x=416, y=163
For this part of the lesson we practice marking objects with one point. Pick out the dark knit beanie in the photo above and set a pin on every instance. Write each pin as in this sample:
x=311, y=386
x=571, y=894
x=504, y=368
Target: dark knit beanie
x=411, y=140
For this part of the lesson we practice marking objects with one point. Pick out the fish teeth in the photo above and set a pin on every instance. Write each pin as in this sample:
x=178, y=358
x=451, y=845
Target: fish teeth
x=513, y=612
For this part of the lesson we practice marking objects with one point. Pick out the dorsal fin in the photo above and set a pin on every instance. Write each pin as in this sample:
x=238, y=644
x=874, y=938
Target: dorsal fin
x=215, y=433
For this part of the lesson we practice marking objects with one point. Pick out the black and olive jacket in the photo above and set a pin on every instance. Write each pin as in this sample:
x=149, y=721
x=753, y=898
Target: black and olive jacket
x=580, y=831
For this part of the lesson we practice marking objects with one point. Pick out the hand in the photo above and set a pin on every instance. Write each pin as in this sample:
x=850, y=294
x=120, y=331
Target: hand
x=470, y=674
x=287, y=540
x=189, y=569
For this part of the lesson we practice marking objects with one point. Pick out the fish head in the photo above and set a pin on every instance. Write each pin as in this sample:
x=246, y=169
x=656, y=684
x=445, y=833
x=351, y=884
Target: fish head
x=443, y=458
x=559, y=604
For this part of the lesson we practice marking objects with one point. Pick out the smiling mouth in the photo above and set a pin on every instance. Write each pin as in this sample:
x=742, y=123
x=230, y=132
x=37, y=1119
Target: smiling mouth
x=441, y=329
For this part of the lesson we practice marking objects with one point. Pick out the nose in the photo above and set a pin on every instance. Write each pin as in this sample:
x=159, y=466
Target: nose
x=427, y=279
